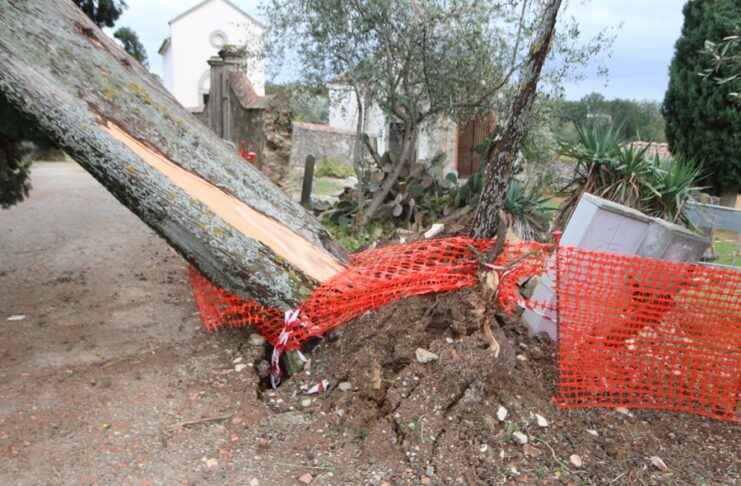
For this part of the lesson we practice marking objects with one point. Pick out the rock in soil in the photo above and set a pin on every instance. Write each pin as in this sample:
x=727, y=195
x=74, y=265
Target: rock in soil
x=434, y=230
x=659, y=464
x=424, y=356
x=530, y=450
x=542, y=422
x=256, y=340
x=519, y=438
x=502, y=413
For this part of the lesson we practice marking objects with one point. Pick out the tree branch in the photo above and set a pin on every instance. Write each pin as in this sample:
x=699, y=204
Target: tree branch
x=520, y=26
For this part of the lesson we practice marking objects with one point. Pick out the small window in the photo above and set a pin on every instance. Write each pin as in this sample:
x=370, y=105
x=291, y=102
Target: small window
x=396, y=133
x=204, y=86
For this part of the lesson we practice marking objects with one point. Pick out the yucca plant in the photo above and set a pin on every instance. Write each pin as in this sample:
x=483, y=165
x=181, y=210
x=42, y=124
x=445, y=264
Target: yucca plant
x=673, y=181
x=631, y=177
x=595, y=168
x=528, y=211
x=608, y=167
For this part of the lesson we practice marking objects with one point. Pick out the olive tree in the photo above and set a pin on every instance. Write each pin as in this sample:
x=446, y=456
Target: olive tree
x=416, y=60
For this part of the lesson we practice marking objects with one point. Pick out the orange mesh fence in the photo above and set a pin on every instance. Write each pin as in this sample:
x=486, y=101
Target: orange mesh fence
x=372, y=279
x=220, y=309
x=636, y=332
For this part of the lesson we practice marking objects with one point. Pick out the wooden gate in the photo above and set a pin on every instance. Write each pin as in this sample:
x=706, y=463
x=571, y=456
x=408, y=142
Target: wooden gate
x=473, y=133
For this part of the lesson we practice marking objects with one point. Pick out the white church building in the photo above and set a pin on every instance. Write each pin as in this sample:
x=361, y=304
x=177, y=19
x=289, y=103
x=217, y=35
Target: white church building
x=197, y=35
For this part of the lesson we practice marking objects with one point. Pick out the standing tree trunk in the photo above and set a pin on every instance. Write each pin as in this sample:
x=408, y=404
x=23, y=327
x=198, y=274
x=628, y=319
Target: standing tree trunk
x=357, y=154
x=504, y=154
x=100, y=105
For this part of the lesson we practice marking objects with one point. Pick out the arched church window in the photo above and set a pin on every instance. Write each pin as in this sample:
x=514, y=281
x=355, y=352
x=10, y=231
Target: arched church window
x=204, y=86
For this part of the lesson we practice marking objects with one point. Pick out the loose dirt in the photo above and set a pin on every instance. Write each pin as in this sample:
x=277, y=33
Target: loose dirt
x=109, y=379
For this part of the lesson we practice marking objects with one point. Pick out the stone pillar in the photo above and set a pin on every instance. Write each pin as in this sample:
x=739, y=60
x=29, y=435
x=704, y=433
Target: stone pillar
x=219, y=101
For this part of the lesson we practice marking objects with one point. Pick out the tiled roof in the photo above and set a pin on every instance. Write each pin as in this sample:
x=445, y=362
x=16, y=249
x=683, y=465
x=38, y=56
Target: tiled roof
x=246, y=94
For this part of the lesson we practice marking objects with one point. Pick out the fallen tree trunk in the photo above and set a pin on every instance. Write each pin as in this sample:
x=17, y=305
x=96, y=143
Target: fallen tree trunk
x=121, y=125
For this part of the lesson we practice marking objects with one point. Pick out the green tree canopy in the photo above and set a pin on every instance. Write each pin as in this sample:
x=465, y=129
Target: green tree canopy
x=131, y=44
x=637, y=120
x=18, y=137
x=418, y=60
x=727, y=53
x=702, y=121
x=308, y=103
x=103, y=12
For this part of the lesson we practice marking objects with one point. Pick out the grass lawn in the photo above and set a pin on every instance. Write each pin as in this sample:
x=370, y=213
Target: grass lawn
x=725, y=244
x=324, y=187
x=725, y=251
x=554, y=202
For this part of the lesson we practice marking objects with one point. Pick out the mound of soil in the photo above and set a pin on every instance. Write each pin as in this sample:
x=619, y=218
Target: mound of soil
x=442, y=422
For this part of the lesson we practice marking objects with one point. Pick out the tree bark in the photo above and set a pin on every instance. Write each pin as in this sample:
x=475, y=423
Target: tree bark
x=357, y=155
x=502, y=157
x=100, y=105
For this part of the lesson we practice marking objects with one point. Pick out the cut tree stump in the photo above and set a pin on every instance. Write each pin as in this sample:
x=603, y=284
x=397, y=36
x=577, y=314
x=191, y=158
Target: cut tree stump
x=118, y=121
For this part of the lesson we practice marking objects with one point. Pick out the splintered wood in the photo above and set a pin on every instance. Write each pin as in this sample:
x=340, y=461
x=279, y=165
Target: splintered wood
x=253, y=224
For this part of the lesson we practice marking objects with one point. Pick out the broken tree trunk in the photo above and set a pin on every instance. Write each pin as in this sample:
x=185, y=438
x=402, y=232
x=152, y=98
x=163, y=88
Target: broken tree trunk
x=121, y=125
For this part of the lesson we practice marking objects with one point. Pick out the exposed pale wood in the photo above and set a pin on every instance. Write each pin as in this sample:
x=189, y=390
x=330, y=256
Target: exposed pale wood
x=286, y=244
x=122, y=126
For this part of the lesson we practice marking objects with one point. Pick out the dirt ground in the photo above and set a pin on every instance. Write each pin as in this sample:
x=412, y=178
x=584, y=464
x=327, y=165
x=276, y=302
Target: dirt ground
x=109, y=379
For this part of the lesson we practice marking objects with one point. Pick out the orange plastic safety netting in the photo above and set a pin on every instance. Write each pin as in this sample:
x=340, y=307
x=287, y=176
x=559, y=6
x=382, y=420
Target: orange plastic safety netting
x=634, y=332
x=643, y=333
x=372, y=279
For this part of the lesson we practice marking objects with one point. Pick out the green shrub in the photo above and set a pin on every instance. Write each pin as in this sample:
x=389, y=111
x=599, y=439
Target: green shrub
x=343, y=233
x=416, y=199
x=425, y=192
x=333, y=167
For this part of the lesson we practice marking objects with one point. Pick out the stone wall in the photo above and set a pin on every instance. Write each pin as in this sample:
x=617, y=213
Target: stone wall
x=233, y=109
x=552, y=175
x=321, y=141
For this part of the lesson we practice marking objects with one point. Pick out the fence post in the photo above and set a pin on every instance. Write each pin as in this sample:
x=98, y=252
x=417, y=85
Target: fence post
x=557, y=240
x=308, y=180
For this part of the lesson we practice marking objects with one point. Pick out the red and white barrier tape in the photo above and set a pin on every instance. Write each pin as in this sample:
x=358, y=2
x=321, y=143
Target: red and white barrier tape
x=320, y=387
x=294, y=319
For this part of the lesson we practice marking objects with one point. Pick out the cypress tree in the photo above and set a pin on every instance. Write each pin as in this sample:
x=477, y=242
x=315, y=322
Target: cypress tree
x=702, y=121
x=131, y=44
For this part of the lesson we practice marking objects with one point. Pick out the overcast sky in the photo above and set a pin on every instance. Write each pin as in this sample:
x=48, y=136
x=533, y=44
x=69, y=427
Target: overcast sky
x=638, y=68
